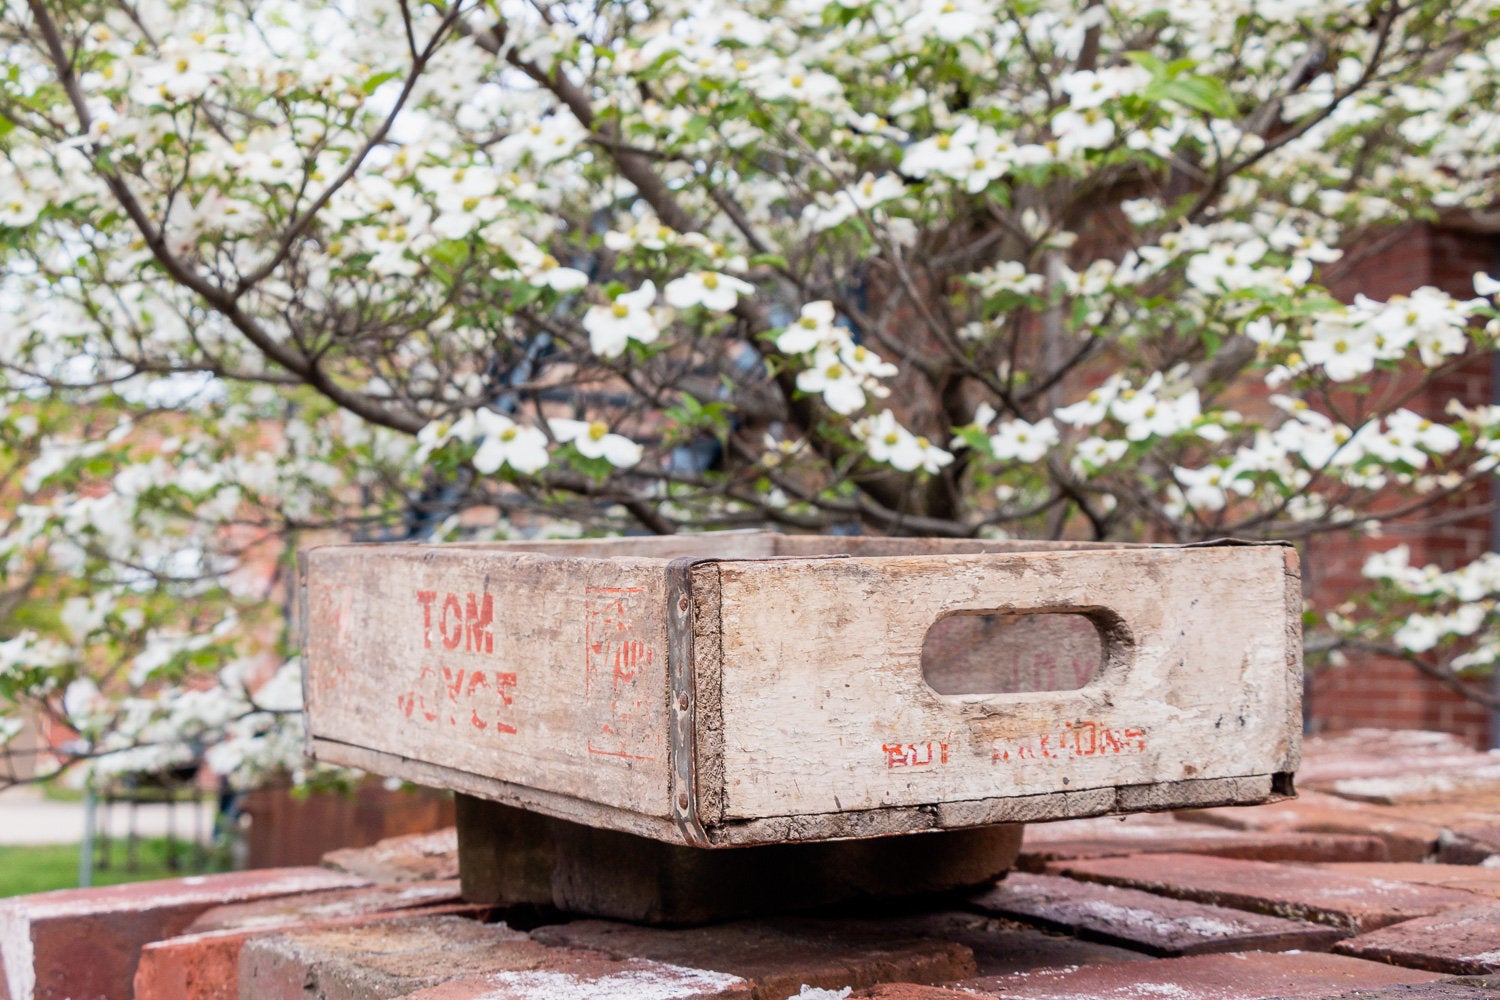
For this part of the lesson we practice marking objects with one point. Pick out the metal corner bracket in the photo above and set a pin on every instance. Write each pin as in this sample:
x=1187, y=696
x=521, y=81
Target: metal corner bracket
x=682, y=733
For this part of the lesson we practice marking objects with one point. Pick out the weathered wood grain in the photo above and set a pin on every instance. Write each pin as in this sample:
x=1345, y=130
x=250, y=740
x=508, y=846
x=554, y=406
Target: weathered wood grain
x=548, y=672
x=536, y=674
x=825, y=708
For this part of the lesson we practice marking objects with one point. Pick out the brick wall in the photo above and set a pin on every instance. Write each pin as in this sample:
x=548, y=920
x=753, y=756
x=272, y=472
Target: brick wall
x=294, y=829
x=1371, y=691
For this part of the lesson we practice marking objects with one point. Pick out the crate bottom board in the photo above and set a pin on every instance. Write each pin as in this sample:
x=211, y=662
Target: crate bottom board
x=1254, y=789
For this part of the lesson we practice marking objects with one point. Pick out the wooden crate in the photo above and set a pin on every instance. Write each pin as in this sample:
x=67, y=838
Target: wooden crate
x=732, y=689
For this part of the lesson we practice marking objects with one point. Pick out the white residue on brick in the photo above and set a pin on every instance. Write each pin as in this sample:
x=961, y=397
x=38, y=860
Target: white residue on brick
x=814, y=993
x=651, y=981
x=1160, y=990
x=232, y=887
x=1368, y=887
x=1158, y=923
x=1417, y=785
x=1165, y=991
x=17, y=958
x=426, y=845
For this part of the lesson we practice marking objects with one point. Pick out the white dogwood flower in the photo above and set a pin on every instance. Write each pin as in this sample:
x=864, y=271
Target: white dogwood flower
x=812, y=329
x=628, y=317
x=1022, y=441
x=504, y=442
x=594, y=439
x=709, y=289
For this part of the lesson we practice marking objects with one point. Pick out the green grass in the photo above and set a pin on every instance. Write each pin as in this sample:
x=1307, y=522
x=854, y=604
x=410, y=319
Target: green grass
x=55, y=866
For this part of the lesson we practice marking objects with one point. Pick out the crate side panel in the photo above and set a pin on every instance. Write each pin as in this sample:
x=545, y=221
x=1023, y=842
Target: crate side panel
x=539, y=672
x=825, y=709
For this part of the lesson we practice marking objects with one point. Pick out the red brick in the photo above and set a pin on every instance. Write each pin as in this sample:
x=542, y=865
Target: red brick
x=781, y=956
x=325, y=906
x=1234, y=976
x=404, y=957
x=402, y=859
x=206, y=966
x=999, y=945
x=1440, y=990
x=1357, y=904
x=1481, y=982
x=595, y=978
x=1157, y=924
x=1108, y=837
x=1460, y=942
x=1473, y=842
x=1375, y=753
x=1484, y=881
x=386, y=959
x=910, y=991
x=84, y=944
x=1465, y=776
x=203, y=962
x=1407, y=836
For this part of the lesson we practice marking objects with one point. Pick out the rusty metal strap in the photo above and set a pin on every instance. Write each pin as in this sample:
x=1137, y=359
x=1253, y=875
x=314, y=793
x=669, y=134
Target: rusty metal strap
x=682, y=733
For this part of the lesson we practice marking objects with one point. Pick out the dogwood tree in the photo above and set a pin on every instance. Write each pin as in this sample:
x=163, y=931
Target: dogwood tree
x=281, y=271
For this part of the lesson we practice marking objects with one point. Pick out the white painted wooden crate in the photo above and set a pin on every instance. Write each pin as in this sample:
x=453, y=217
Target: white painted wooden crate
x=753, y=688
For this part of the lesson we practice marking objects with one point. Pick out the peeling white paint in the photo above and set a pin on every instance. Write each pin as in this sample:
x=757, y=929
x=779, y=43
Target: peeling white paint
x=651, y=981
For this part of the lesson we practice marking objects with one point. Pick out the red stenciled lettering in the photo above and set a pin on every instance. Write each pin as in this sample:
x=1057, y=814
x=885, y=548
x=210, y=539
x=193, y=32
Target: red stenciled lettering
x=466, y=619
x=414, y=700
x=454, y=683
x=1075, y=740
x=914, y=754
x=618, y=648
x=479, y=615
x=460, y=689
x=1079, y=747
x=425, y=598
x=452, y=638
x=630, y=657
x=502, y=682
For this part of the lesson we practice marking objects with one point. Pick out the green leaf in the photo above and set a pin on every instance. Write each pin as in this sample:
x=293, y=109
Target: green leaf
x=1150, y=63
x=1202, y=93
x=6, y=126
x=449, y=252
x=695, y=128
x=373, y=83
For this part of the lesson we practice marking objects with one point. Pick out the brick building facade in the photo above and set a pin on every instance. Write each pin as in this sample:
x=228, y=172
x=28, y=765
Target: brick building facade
x=1369, y=690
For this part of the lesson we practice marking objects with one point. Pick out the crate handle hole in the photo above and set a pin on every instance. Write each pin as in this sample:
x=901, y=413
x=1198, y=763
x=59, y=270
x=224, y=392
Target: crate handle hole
x=1015, y=652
